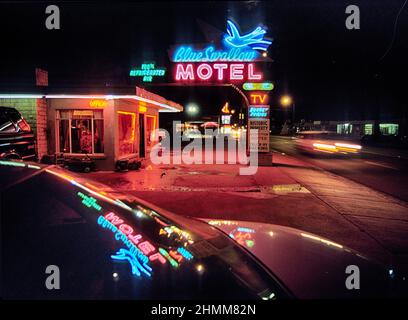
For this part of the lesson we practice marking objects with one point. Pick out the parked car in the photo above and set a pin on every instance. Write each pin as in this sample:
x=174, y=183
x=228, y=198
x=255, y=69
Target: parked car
x=326, y=143
x=16, y=137
x=109, y=245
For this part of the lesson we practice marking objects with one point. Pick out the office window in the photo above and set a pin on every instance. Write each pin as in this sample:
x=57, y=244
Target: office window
x=80, y=131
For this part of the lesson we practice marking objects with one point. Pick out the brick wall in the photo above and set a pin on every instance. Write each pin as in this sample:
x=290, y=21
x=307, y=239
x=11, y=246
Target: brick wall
x=35, y=113
x=27, y=108
x=41, y=128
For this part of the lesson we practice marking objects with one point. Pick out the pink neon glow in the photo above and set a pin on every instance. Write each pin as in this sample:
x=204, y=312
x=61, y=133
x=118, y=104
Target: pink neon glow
x=220, y=67
x=237, y=71
x=146, y=247
x=135, y=238
x=185, y=74
x=204, y=75
x=251, y=74
x=126, y=229
x=113, y=218
x=157, y=256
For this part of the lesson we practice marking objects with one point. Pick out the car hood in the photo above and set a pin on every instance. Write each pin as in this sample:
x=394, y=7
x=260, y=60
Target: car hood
x=308, y=265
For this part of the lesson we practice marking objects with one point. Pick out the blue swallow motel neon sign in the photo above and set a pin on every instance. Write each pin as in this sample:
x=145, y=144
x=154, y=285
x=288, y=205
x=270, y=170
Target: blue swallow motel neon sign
x=253, y=40
x=237, y=47
x=210, y=54
x=137, y=264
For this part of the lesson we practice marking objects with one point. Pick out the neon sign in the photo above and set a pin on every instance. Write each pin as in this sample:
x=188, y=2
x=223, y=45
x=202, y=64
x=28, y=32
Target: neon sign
x=98, y=103
x=180, y=234
x=259, y=111
x=253, y=40
x=217, y=71
x=185, y=253
x=236, y=48
x=264, y=86
x=138, y=265
x=243, y=236
x=210, y=54
x=136, y=255
x=89, y=201
x=138, y=251
x=147, y=71
x=225, y=108
x=169, y=258
x=259, y=98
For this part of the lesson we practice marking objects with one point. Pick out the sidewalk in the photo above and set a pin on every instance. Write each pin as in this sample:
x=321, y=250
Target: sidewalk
x=290, y=193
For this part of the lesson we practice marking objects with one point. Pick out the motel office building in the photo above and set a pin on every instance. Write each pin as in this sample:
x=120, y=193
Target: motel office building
x=108, y=128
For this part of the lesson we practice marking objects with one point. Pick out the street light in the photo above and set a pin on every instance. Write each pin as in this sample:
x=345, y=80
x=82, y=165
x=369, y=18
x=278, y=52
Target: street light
x=286, y=101
x=192, y=108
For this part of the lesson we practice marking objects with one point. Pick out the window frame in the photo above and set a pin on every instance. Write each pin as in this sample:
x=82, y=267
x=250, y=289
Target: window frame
x=58, y=119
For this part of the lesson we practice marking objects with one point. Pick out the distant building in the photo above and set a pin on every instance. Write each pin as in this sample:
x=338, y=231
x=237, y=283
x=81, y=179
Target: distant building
x=356, y=128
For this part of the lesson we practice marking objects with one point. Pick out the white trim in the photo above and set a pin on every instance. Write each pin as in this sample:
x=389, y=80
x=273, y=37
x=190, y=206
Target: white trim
x=21, y=96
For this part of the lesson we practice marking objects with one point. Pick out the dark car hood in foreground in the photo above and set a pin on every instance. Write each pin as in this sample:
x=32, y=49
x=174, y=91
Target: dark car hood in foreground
x=310, y=266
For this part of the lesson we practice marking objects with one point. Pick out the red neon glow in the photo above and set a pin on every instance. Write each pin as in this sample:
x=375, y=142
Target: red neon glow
x=235, y=72
x=184, y=74
x=204, y=75
x=157, y=256
x=146, y=247
x=220, y=67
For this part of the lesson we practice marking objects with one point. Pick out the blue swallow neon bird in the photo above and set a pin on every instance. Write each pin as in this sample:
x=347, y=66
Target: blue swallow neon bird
x=254, y=39
x=137, y=267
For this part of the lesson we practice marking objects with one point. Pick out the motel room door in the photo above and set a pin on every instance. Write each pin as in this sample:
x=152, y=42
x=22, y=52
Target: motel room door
x=142, y=152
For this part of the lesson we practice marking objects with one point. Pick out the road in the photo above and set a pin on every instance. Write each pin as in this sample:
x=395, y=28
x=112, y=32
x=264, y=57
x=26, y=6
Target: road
x=375, y=169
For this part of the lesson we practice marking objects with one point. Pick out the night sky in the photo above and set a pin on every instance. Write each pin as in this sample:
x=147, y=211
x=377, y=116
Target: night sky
x=332, y=72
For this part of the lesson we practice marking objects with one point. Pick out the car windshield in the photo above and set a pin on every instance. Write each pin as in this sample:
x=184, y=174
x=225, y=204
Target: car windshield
x=119, y=247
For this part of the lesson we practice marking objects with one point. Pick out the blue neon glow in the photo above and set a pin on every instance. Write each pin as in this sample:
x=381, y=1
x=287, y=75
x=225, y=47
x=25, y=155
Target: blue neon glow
x=185, y=253
x=253, y=40
x=137, y=266
x=246, y=230
x=258, y=112
x=120, y=236
x=210, y=54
